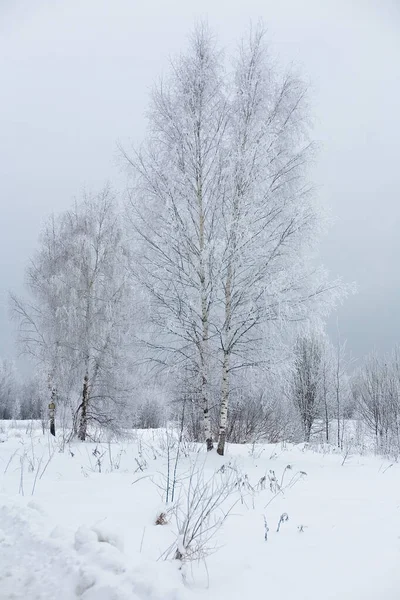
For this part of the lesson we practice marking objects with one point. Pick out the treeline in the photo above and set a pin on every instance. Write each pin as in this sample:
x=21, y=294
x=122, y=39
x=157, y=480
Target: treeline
x=19, y=398
x=321, y=395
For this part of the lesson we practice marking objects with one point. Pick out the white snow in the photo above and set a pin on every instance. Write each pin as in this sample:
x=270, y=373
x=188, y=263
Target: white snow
x=91, y=535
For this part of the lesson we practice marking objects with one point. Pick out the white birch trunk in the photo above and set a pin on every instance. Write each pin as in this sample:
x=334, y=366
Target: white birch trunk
x=83, y=419
x=223, y=413
x=203, y=288
x=204, y=346
x=338, y=358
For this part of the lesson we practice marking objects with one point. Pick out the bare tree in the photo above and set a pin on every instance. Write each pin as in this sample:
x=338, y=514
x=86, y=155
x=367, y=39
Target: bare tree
x=225, y=217
x=341, y=385
x=271, y=221
x=376, y=389
x=368, y=391
x=179, y=181
x=327, y=377
x=306, y=382
x=76, y=325
x=31, y=399
x=9, y=406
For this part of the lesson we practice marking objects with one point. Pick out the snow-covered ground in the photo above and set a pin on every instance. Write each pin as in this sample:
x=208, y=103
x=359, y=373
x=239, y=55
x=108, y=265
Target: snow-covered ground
x=81, y=523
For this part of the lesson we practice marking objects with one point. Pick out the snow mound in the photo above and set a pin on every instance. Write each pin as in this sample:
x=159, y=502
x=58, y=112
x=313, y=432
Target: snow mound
x=32, y=566
x=39, y=561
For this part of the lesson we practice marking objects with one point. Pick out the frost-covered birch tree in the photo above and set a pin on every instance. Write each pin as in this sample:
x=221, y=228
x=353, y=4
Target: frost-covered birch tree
x=271, y=219
x=175, y=210
x=341, y=386
x=224, y=215
x=77, y=323
x=376, y=390
x=306, y=388
x=9, y=406
x=327, y=385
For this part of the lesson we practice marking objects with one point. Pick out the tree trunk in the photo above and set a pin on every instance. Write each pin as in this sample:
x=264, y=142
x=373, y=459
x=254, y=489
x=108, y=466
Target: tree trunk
x=52, y=408
x=227, y=339
x=206, y=413
x=204, y=378
x=223, y=409
x=326, y=425
x=223, y=415
x=203, y=300
x=307, y=432
x=82, y=430
x=338, y=389
x=326, y=410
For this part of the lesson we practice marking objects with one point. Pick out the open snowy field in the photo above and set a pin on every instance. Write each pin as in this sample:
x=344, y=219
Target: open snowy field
x=81, y=522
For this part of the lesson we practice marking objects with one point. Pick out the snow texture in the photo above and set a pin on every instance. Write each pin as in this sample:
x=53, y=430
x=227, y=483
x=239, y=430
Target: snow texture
x=91, y=535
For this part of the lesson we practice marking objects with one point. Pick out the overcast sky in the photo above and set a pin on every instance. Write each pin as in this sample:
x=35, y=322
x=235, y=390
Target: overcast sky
x=75, y=77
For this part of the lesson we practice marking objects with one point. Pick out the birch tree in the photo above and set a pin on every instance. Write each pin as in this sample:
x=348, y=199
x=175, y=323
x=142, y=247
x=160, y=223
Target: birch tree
x=376, y=389
x=271, y=219
x=306, y=382
x=76, y=325
x=328, y=376
x=225, y=217
x=32, y=400
x=174, y=209
x=9, y=407
x=341, y=386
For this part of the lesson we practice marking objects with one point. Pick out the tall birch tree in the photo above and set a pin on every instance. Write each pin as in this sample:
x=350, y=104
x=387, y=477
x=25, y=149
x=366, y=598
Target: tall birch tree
x=224, y=216
x=271, y=219
x=174, y=207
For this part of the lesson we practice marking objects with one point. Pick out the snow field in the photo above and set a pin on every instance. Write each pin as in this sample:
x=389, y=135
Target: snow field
x=88, y=530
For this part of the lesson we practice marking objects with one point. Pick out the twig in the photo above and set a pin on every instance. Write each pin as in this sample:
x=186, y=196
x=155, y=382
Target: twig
x=142, y=540
x=36, y=475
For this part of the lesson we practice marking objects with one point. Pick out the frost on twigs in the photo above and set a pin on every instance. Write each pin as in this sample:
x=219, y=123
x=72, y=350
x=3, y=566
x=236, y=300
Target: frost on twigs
x=202, y=508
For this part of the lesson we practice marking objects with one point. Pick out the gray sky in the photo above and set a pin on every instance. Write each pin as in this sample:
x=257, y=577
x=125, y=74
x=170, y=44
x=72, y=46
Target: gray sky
x=75, y=76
